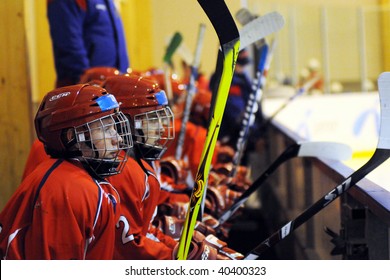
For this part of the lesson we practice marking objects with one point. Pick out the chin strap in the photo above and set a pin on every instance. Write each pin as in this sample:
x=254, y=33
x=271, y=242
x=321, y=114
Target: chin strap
x=138, y=157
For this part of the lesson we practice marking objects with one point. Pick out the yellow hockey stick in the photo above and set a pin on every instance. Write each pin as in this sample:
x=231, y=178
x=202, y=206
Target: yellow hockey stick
x=229, y=39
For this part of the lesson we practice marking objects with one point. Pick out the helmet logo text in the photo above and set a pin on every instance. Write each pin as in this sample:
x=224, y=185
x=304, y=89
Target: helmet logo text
x=58, y=96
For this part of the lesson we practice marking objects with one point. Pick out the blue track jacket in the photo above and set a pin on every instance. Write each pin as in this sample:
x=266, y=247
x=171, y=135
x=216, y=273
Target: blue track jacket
x=85, y=33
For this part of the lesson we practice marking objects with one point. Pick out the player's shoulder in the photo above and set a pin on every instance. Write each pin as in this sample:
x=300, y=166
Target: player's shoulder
x=66, y=175
x=131, y=172
x=61, y=181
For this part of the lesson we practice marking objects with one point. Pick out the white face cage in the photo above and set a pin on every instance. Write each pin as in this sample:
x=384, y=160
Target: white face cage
x=154, y=132
x=104, y=143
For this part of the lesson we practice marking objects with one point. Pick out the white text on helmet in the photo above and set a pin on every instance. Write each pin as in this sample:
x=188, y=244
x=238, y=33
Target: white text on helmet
x=58, y=96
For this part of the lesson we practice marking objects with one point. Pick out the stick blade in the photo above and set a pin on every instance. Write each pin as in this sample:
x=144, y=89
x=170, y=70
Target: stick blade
x=384, y=96
x=176, y=40
x=260, y=28
x=328, y=150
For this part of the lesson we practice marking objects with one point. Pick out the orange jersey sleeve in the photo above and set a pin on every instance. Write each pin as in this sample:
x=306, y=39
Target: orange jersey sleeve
x=59, y=212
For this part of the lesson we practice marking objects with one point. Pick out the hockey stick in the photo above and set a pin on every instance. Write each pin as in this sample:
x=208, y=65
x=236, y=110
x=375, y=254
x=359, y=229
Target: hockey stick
x=251, y=32
x=268, y=62
x=174, y=43
x=250, y=110
x=381, y=154
x=250, y=117
x=229, y=39
x=191, y=90
x=244, y=16
x=298, y=93
x=176, y=40
x=329, y=150
x=255, y=31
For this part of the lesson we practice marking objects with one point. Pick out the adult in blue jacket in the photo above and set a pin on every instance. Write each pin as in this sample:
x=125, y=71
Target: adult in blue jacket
x=85, y=34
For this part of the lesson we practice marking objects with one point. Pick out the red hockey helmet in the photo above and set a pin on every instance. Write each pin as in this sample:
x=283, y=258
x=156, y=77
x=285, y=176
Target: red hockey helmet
x=200, y=107
x=147, y=107
x=84, y=121
x=96, y=75
x=178, y=87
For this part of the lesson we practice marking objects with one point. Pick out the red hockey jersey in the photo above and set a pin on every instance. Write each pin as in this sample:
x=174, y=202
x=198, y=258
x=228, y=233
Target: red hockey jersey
x=59, y=212
x=35, y=157
x=139, y=194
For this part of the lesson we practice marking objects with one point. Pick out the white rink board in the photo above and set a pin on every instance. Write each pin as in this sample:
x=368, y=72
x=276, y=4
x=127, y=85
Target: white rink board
x=349, y=118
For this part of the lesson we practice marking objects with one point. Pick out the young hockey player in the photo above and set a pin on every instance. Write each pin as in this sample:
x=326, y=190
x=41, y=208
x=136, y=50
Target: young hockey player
x=151, y=119
x=94, y=76
x=140, y=192
x=65, y=209
x=146, y=106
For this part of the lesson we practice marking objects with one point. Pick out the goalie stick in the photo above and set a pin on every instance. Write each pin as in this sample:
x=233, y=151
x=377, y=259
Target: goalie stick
x=329, y=150
x=381, y=154
x=176, y=40
x=229, y=39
